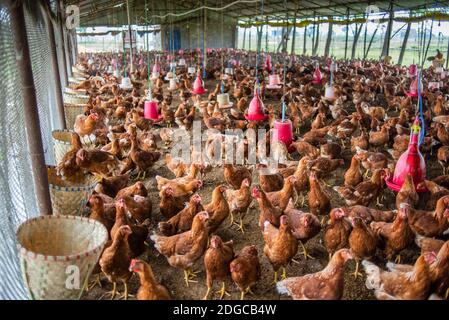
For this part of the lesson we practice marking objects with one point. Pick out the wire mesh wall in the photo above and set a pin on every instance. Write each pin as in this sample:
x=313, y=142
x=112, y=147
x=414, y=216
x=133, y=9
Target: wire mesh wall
x=43, y=77
x=17, y=200
x=17, y=194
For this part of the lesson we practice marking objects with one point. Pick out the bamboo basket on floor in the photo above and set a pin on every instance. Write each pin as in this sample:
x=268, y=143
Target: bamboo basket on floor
x=75, y=98
x=69, y=197
x=62, y=142
x=71, y=111
x=57, y=255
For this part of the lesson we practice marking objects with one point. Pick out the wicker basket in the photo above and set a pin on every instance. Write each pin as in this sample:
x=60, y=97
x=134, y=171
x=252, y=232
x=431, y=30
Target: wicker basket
x=75, y=98
x=71, y=111
x=82, y=92
x=62, y=142
x=69, y=197
x=58, y=254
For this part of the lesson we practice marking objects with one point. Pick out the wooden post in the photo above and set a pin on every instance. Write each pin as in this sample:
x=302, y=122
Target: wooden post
x=304, y=49
x=347, y=32
x=35, y=146
x=292, y=51
x=266, y=38
x=328, y=40
x=386, y=45
x=61, y=25
x=317, y=39
x=356, y=39
x=404, y=43
x=54, y=60
x=131, y=64
x=244, y=38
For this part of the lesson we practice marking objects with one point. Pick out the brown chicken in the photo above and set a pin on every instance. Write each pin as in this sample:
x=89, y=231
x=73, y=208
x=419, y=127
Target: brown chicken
x=302, y=178
x=304, y=226
x=182, y=221
x=400, y=282
x=245, y=269
x=281, y=198
x=395, y=235
x=280, y=245
x=270, y=181
x=137, y=189
x=85, y=126
x=112, y=185
x=365, y=192
x=239, y=201
x=141, y=158
x=170, y=205
x=139, y=207
x=338, y=229
x=183, y=249
x=67, y=167
x=306, y=149
x=319, y=202
x=179, y=188
x=139, y=234
x=218, y=209
x=431, y=223
x=353, y=176
x=362, y=242
x=327, y=284
x=216, y=263
x=372, y=160
x=149, y=288
x=369, y=215
x=95, y=161
x=408, y=193
x=267, y=212
x=98, y=212
x=115, y=260
x=176, y=165
x=234, y=175
x=436, y=192
x=324, y=166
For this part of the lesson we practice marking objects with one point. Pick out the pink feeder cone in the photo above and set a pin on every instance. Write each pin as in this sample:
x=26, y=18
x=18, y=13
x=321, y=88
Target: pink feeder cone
x=329, y=93
x=410, y=162
x=267, y=64
x=414, y=89
x=274, y=82
x=150, y=111
x=141, y=61
x=317, y=77
x=283, y=132
x=256, y=109
x=412, y=70
x=181, y=52
x=156, y=68
x=198, y=86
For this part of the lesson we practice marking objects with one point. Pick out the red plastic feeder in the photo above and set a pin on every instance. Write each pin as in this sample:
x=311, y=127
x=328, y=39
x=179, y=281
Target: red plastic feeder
x=267, y=64
x=412, y=70
x=414, y=89
x=198, y=85
x=411, y=162
x=283, y=132
x=317, y=77
x=256, y=109
x=150, y=111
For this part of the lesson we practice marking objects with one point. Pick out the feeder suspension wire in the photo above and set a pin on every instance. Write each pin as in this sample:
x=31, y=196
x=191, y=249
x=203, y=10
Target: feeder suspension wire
x=258, y=46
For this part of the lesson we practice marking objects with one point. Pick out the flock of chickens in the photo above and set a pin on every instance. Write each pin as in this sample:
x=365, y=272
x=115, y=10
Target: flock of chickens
x=369, y=121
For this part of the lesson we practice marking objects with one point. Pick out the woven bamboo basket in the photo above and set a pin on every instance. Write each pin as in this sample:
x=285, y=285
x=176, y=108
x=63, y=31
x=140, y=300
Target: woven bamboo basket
x=75, y=98
x=61, y=143
x=71, y=111
x=57, y=255
x=82, y=92
x=69, y=197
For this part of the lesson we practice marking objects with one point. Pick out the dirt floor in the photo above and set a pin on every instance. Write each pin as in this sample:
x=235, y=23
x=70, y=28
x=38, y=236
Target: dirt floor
x=173, y=278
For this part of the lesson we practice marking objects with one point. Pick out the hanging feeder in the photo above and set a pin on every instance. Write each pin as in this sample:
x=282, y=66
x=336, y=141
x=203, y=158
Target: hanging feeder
x=317, y=76
x=412, y=70
x=182, y=62
x=156, y=71
x=198, y=85
x=126, y=84
x=410, y=162
x=191, y=70
x=274, y=82
x=172, y=86
x=414, y=89
x=283, y=132
x=181, y=52
x=256, y=108
x=267, y=64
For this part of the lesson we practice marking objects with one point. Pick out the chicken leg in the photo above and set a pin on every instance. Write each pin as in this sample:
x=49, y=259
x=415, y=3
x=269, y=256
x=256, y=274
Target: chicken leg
x=398, y=259
x=207, y=293
x=94, y=283
x=189, y=275
x=242, y=294
x=113, y=292
x=284, y=273
x=356, y=272
x=231, y=217
x=240, y=225
x=304, y=251
x=223, y=291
